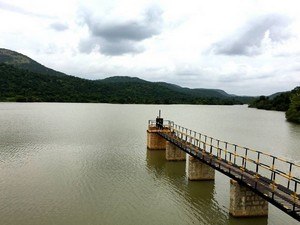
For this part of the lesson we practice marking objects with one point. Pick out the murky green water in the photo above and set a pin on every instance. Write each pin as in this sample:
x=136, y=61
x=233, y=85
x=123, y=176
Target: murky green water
x=88, y=164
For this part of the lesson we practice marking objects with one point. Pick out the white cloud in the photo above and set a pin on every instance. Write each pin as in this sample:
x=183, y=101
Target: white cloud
x=256, y=43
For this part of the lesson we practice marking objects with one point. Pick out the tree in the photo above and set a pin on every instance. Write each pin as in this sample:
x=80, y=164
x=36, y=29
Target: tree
x=293, y=113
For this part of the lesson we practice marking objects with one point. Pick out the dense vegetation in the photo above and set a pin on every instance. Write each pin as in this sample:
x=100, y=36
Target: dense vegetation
x=280, y=102
x=21, y=61
x=293, y=113
x=26, y=86
x=286, y=101
x=30, y=81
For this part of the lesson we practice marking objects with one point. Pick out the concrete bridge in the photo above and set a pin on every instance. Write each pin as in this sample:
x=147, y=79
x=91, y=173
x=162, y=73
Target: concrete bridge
x=257, y=178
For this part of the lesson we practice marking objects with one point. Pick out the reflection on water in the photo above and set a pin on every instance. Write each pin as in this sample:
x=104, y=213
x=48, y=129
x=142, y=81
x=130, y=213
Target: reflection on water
x=200, y=194
x=88, y=164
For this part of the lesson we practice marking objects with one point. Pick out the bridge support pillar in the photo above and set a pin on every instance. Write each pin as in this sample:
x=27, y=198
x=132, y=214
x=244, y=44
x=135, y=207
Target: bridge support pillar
x=245, y=203
x=198, y=170
x=154, y=141
x=173, y=153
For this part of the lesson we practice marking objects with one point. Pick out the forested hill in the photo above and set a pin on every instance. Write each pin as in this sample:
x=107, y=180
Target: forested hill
x=21, y=61
x=203, y=93
x=23, y=85
x=278, y=102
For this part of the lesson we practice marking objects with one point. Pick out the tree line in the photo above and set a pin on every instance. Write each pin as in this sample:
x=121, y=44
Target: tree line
x=288, y=102
x=19, y=85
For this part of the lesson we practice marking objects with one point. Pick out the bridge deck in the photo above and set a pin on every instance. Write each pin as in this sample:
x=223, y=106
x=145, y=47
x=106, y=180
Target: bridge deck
x=249, y=168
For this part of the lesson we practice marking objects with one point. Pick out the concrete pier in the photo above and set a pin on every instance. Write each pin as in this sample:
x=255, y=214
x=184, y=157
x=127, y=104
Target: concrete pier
x=173, y=153
x=199, y=171
x=154, y=141
x=245, y=203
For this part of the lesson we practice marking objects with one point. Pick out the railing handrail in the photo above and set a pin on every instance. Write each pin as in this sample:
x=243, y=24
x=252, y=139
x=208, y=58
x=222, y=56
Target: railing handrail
x=228, y=143
x=251, y=166
x=214, y=144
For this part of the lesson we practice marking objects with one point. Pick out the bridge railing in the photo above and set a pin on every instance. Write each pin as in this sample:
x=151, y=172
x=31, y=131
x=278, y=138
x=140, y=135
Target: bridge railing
x=160, y=124
x=279, y=171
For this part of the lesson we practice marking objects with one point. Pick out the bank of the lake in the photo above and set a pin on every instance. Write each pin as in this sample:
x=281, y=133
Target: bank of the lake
x=288, y=102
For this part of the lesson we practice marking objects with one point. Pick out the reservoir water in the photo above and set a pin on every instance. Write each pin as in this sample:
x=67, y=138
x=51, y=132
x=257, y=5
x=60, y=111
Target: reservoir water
x=87, y=164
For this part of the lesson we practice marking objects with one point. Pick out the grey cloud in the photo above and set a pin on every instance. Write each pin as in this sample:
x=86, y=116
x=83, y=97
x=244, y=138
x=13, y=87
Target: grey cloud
x=248, y=40
x=238, y=77
x=131, y=30
x=188, y=71
x=121, y=37
x=108, y=47
x=59, y=26
x=16, y=9
x=120, y=47
x=87, y=45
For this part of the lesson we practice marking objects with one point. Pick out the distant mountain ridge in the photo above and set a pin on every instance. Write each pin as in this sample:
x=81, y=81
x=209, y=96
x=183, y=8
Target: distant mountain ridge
x=272, y=96
x=24, y=62
x=122, y=79
x=200, y=92
x=24, y=79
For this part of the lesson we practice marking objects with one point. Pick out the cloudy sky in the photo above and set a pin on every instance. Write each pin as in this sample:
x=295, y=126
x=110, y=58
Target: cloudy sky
x=249, y=47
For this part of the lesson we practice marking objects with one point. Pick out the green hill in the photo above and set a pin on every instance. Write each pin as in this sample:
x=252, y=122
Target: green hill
x=24, y=62
x=199, y=92
x=123, y=79
x=194, y=93
x=23, y=85
x=23, y=79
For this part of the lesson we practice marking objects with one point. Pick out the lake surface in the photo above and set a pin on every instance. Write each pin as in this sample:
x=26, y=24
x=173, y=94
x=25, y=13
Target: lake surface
x=88, y=164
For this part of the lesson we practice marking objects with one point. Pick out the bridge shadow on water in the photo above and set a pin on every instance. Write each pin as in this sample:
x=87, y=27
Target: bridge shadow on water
x=199, y=198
